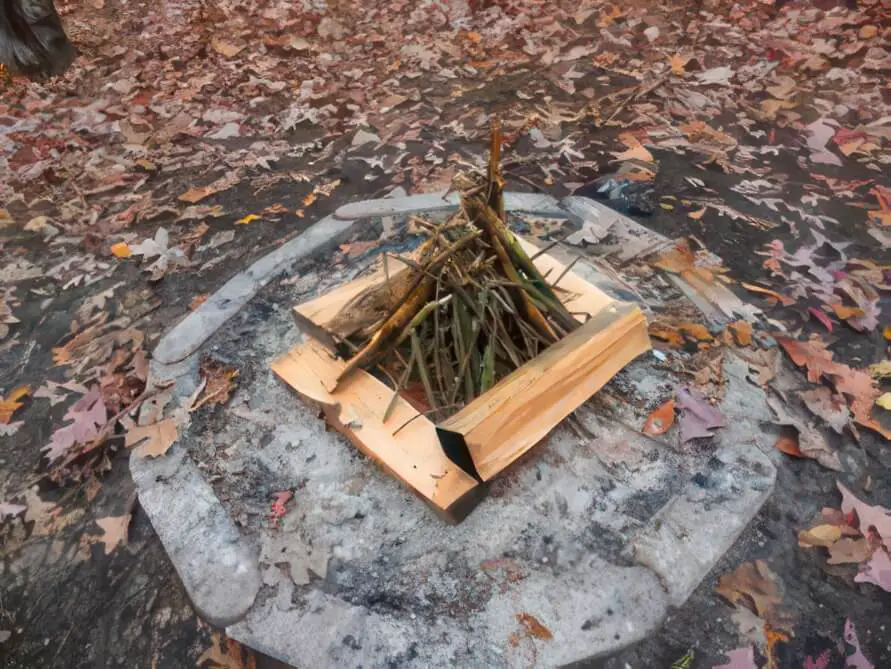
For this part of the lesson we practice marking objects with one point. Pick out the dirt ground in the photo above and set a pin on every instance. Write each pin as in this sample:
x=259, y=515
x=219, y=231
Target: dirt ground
x=268, y=103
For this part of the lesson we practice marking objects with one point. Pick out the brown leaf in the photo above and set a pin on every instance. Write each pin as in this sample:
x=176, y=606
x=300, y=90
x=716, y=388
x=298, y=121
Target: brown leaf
x=829, y=406
x=742, y=332
x=114, y=531
x=846, y=551
x=811, y=441
x=197, y=301
x=225, y=47
x=194, y=195
x=533, y=627
x=226, y=653
x=660, y=420
x=160, y=436
x=219, y=383
x=10, y=404
x=810, y=354
x=754, y=586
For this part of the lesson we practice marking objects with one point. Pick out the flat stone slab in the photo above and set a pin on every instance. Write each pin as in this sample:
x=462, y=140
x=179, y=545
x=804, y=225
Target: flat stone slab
x=579, y=549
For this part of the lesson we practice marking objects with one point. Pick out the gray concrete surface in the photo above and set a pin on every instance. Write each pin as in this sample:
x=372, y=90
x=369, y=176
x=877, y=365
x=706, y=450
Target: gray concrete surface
x=595, y=534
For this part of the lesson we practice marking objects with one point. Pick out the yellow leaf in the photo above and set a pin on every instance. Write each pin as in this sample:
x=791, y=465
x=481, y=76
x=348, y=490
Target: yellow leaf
x=880, y=370
x=696, y=215
x=247, y=219
x=666, y=206
x=821, y=535
x=884, y=401
x=887, y=332
x=121, y=250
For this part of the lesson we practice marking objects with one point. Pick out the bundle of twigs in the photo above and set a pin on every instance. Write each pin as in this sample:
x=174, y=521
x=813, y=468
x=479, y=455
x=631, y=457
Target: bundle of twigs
x=471, y=307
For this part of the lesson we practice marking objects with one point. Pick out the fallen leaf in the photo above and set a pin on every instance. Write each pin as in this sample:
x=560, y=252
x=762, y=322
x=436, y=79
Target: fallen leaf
x=88, y=416
x=225, y=47
x=533, y=627
x=857, y=660
x=788, y=444
x=225, y=653
x=678, y=62
x=741, y=658
x=782, y=299
x=821, y=316
x=309, y=199
x=9, y=510
x=868, y=516
x=716, y=75
x=742, y=332
x=247, y=219
x=121, y=250
x=114, y=531
x=884, y=401
x=844, y=312
x=876, y=571
x=660, y=420
x=754, y=586
x=197, y=301
x=886, y=332
x=810, y=354
x=10, y=404
x=355, y=249
x=698, y=417
x=158, y=438
x=219, y=383
x=829, y=406
x=847, y=551
x=194, y=195
x=880, y=370
x=639, y=152
x=811, y=442
x=279, y=507
x=821, y=535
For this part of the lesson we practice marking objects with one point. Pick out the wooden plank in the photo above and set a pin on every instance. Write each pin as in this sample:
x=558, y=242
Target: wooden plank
x=520, y=410
x=356, y=409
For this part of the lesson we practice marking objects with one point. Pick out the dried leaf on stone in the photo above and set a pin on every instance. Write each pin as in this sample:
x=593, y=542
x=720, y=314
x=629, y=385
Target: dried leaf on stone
x=698, y=417
x=114, y=531
x=10, y=404
x=742, y=332
x=152, y=440
x=782, y=299
x=533, y=627
x=788, y=444
x=810, y=354
x=225, y=653
x=829, y=406
x=660, y=420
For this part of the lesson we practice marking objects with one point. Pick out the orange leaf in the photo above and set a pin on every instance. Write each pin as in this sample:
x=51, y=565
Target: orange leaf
x=887, y=332
x=678, y=62
x=194, y=195
x=534, y=627
x=811, y=354
x=10, y=404
x=788, y=444
x=197, y=301
x=845, y=312
x=309, y=199
x=742, y=331
x=121, y=250
x=660, y=420
x=696, y=215
x=782, y=299
x=474, y=37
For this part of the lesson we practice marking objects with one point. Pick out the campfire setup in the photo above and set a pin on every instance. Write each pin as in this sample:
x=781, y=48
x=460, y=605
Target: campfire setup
x=448, y=363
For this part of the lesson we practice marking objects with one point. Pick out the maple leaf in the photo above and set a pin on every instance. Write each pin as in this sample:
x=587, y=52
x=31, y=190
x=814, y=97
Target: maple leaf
x=219, y=383
x=867, y=516
x=876, y=571
x=811, y=442
x=754, y=586
x=158, y=438
x=10, y=404
x=88, y=416
x=114, y=531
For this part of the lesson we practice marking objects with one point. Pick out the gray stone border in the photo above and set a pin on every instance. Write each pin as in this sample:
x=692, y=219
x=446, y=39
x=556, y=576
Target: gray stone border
x=220, y=569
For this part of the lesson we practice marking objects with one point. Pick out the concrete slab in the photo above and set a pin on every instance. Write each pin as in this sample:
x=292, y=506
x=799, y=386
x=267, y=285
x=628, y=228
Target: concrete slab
x=593, y=535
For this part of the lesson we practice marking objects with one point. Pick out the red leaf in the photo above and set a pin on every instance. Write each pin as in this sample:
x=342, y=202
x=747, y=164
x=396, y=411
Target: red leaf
x=821, y=316
x=660, y=420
